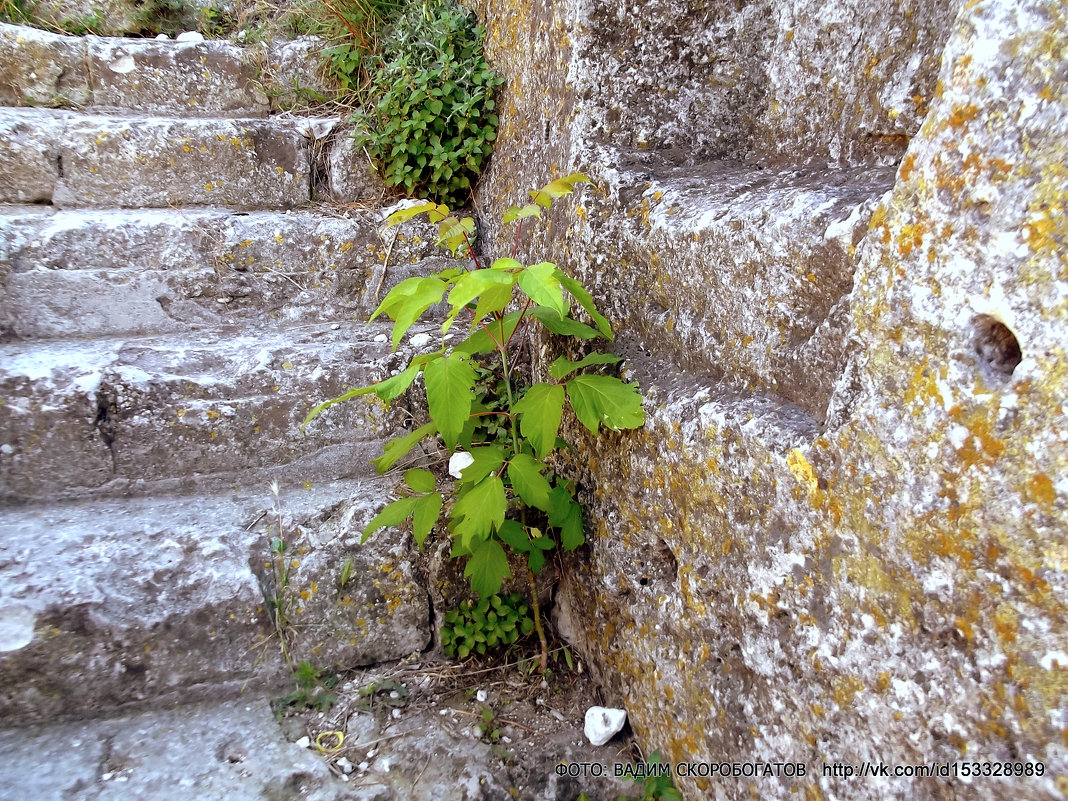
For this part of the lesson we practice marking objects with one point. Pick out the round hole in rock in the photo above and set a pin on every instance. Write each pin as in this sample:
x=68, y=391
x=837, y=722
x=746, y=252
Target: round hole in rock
x=997, y=347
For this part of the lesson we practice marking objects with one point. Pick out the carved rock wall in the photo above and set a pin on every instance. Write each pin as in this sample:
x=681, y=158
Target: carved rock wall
x=832, y=238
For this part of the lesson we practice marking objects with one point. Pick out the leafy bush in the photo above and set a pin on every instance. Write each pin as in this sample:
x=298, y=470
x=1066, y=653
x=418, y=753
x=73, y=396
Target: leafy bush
x=492, y=623
x=432, y=124
x=499, y=424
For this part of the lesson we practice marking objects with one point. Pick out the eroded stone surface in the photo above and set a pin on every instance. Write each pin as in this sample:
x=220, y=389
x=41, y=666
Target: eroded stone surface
x=75, y=160
x=41, y=69
x=165, y=599
x=891, y=590
x=191, y=79
x=112, y=273
x=125, y=414
x=232, y=750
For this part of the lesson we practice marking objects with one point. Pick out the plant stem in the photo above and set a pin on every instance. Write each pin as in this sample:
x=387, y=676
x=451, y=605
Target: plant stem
x=537, y=620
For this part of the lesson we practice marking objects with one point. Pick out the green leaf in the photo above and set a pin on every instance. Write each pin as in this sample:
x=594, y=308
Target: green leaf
x=539, y=412
x=566, y=515
x=487, y=568
x=352, y=393
x=515, y=213
x=397, y=448
x=426, y=293
x=558, y=188
x=579, y=293
x=419, y=480
x=562, y=368
x=494, y=299
x=541, y=285
x=506, y=264
x=403, y=215
x=564, y=326
x=487, y=460
x=536, y=561
x=600, y=399
x=495, y=283
x=530, y=485
x=481, y=341
x=397, y=385
x=391, y=515
x=424, y=515
x=514, y=536
x=479, y=510
x=449, y=382
x=455, y=233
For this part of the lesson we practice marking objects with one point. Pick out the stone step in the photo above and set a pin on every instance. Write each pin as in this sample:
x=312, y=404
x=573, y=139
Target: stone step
x=743, y=271
x=73, y=160
x=186, y=79
x=88, y=273
x=210, y=408
x=232, y=750
x=125, y=602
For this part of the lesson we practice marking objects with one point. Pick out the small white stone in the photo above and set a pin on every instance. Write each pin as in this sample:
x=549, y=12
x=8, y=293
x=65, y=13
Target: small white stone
x=458, y=461
x=602, y=723
x=381, y=338
x=189, y=36
x=304, y=742
x=396, y=714
x=223, y=300
x=480, y=696
x=363, y=766
x=163, y=37
x=6, y=449
x=16, y=627
x=344, y=765
x=419, y=340
x=123, y=65
x=335, y=326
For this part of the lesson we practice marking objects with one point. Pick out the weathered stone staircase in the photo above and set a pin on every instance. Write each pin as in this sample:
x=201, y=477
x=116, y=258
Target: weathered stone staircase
x=174, y=302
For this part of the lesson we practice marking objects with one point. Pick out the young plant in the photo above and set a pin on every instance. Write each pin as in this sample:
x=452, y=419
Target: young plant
x=500, y=427
x=494, y=622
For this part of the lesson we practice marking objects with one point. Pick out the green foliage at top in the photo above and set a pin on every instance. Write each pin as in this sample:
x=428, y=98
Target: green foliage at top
x=431, y=125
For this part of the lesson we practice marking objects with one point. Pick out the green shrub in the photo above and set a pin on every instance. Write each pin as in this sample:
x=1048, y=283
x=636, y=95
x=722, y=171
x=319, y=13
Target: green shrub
x=431, y=124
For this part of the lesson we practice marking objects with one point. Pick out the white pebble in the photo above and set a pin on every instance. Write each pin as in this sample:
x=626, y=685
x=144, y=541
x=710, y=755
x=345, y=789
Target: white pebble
x=345, y=765
x=381, y=338
x=304, y=742
x=419, y=340
x=163, y=37
x=602, y=723
x=480, y=696
x=189, y=36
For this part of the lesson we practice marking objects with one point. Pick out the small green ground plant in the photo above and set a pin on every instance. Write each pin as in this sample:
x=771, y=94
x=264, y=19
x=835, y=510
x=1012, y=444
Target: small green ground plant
x=494, y=622
x=500, y=426
x=430, y=124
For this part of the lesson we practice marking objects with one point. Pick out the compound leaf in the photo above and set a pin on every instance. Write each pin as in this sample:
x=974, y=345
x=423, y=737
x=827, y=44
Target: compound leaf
x=479, y=510
x=514, y=536
x=562, y=368
x=566, y=515
x=600, y=399
x=530, y=485
x=449, y=382
x=424, y=514
x=419, y=480
x=391, y=515
x=541, y=285
x=579, y=293
x=487, y=460
x=564, y=326
x=397, y=448
x=487, y=568
x=539, y=412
